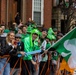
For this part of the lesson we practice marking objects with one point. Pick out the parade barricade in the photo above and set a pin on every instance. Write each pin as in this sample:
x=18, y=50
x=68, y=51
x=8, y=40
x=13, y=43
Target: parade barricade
x=8, y=58
x=20, y=60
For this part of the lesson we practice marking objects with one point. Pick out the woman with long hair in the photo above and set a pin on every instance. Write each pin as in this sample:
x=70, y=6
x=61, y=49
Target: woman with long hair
x=7, y=48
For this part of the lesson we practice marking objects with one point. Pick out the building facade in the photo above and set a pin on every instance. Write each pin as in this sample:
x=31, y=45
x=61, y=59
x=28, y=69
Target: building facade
x=39, y=10
x=64, y=15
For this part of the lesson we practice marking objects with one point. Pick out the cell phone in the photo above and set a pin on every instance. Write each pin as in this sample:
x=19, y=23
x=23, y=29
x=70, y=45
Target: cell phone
x=15, y=43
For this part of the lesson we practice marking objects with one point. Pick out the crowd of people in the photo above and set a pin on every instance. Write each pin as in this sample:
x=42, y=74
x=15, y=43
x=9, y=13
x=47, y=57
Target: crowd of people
x=21, y=39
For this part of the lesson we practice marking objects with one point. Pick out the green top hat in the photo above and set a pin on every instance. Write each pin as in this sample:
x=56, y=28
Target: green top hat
x=50, y=31
x=51, y=34
x=36, y=31
x=51, y=37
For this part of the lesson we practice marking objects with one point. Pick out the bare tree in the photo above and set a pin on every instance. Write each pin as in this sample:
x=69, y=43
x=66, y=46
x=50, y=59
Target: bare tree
x=68, y=7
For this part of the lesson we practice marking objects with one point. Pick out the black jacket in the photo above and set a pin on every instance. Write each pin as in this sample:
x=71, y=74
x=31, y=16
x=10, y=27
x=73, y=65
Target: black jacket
x=14, y=58
x=5, y=48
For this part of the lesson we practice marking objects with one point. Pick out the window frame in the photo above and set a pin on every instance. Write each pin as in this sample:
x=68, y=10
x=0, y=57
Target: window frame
x=42, y=12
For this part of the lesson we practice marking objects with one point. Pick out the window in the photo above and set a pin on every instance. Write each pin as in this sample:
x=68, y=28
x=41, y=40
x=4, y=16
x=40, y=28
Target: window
x=37, y=17
x=37, y=12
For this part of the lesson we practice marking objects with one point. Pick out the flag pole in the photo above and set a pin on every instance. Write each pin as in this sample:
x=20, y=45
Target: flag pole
x=63, y=37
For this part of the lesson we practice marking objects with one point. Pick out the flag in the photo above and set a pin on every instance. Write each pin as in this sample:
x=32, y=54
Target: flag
x=64, y=65
x=66, y=47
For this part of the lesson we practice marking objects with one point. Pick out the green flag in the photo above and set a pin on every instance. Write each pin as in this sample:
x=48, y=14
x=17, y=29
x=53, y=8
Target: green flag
x=66, y=47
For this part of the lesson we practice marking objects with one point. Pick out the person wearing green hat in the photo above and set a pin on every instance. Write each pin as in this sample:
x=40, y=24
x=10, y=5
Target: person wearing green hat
x=48, y=39
x=45, y=56
x=36, y=47
x=48, y=44
x=43, y=48
x=54, y=54
x=52, y=35
x=28, y=47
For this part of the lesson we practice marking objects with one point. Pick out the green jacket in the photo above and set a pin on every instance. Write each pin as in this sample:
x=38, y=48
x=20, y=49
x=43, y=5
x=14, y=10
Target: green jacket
x=29, y=46
x=23, y=36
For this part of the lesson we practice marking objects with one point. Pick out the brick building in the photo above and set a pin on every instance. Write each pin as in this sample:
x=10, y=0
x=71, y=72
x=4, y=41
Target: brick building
x=39, y=10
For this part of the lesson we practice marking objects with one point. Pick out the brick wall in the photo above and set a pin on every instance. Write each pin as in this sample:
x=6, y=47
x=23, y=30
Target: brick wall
x=28, y=9
x=11, y=10
x=3, y=11
x=47, y=13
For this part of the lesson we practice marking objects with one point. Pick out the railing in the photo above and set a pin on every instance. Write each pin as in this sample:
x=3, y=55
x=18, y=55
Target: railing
x=58, y=72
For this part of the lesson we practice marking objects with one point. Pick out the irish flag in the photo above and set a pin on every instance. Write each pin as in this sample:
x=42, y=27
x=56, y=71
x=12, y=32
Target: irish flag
x=66, y=47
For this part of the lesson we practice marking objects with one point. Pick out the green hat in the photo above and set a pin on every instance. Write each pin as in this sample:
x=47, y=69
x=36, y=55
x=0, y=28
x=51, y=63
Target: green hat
x=34, y=25
x=51, y=34
x=51, y=37
x=6, y=31
x=29, y=29
x=50, y=31
x=35, y=31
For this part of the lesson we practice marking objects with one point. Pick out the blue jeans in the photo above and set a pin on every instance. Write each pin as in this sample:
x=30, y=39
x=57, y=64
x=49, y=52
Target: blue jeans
x=6, y=70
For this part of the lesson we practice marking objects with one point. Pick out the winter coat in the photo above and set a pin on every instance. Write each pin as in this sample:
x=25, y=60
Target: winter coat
x=5, y=48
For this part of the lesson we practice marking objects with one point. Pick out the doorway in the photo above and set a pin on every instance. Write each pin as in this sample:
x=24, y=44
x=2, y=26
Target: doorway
x=19, y=7
x=53, y=23
x=63, y=26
